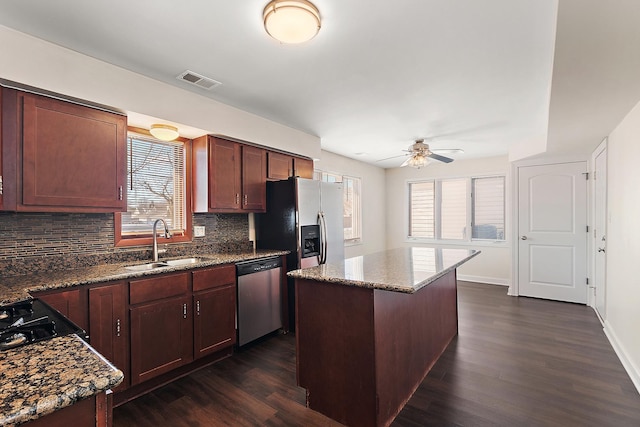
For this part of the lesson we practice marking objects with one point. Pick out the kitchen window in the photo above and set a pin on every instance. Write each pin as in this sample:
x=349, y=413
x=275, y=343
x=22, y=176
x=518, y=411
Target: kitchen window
x=459, y=209
x=352, y=218
x=156, y=188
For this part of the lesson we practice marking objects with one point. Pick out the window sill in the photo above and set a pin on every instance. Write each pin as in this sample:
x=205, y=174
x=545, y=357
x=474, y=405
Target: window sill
x=146, y=241
x=353, y=242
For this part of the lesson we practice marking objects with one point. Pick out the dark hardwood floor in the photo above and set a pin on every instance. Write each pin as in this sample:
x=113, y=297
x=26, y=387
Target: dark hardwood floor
x=515, y=362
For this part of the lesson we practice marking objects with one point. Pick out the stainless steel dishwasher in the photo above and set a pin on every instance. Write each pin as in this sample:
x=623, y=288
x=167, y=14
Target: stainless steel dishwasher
x=259, y=300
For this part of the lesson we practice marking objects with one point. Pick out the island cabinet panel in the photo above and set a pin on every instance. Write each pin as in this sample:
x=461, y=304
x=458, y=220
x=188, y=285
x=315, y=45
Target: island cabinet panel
x=424, y=323
x=214, y=299
x=336, y=350
x=361, y=353
x=70, y=158
x=109, y=326
x=303, y=167
x=71, y=303
x=161, y=325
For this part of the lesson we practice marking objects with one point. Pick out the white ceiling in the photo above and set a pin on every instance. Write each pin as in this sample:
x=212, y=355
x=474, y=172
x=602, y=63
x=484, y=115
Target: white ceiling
x=464, y=74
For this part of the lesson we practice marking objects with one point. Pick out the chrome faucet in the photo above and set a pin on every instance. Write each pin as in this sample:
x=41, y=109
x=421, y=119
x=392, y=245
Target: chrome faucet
x=167, y=235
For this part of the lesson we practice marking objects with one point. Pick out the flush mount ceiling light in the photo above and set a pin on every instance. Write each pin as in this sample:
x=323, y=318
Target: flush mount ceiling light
x=164, y=132
x=291, y=21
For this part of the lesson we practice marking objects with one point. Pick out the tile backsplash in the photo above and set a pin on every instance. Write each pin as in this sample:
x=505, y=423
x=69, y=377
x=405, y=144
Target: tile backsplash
x=32, y=242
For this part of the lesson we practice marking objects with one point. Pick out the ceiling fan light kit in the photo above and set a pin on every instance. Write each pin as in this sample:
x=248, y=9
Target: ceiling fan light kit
x=416, y=161
x=291, y=21
x=421, y=155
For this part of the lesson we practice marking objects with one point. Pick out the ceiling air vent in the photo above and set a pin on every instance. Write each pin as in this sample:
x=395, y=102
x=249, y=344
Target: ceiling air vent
x=198, y=80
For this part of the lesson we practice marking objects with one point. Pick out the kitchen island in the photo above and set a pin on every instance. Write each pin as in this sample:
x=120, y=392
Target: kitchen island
x=369, y=329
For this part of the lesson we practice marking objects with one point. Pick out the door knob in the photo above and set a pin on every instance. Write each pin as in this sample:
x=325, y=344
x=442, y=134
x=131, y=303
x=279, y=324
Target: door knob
x=523, y=238
x=601, y=250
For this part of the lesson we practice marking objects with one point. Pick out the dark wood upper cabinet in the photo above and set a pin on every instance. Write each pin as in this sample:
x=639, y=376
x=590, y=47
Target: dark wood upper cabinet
x=282, y=166
x=228, y=176
x=279, y=166
x=254, y=179
x=303, y=167
x=69, y=158
x=109, y=326
x=225, y=186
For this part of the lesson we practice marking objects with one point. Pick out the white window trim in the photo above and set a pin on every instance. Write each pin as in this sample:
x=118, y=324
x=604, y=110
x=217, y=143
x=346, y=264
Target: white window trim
x=460, y=243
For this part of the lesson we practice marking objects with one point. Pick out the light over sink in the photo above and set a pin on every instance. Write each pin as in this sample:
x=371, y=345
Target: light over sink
x=165, y=263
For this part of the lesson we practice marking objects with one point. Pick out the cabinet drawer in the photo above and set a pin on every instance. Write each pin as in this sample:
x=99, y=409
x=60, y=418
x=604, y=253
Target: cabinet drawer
x=214, y=277
x=158, y=287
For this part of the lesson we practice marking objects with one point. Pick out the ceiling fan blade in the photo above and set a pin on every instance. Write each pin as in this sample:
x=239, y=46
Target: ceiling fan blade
x=406, y=162
x=440, y=158
x=394, y=157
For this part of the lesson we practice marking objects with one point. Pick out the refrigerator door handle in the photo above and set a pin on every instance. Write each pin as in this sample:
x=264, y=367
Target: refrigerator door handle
x=323, y=238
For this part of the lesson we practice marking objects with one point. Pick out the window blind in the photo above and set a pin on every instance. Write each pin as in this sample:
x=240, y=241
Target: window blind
x=488, y=208
x=156, y=185
x=422, y=209
x=453, y=208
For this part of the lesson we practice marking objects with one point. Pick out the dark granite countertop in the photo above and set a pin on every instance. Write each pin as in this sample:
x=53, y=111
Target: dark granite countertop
x=18, y=288
x=38, y=379
x=399, y=270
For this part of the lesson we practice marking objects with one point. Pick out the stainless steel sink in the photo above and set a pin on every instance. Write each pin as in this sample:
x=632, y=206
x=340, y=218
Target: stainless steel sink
x=165, y=263
x=147, y=267
x=183, y=261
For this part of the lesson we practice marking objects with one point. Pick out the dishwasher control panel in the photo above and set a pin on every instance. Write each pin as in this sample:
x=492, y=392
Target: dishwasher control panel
x=255, y=266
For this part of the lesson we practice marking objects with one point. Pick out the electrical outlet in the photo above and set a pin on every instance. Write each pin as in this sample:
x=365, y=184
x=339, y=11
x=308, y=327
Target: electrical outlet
x=198, y=231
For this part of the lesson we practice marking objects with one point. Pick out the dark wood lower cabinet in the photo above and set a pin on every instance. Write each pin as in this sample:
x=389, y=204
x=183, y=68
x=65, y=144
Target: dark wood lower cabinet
x=161, y=337
x=72, y=304
x=95, y=411
x=157, y=328
x=109, y=326
x=214, y=321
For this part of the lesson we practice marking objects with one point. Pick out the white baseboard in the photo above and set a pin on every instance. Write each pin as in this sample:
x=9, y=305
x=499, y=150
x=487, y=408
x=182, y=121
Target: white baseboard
x=632, y=370
x=480, y=279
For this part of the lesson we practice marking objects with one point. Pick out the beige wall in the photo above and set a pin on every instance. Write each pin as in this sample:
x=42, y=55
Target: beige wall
x=623, y=243
x=41, y=64
x=493, y=265
x=373, y=200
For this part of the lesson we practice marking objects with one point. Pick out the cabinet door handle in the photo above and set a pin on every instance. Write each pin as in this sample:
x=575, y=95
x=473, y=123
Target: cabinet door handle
x=120, y=193
x=198, y=308
x=118, y=327
x=184, y=311
x=237, y=198
x=246, y=199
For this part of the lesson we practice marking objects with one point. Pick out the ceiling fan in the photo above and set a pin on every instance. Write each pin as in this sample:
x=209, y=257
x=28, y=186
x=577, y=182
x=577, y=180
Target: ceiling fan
x=419, y=155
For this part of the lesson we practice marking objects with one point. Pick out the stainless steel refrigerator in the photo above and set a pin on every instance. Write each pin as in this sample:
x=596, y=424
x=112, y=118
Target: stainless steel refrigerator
x=305, y=217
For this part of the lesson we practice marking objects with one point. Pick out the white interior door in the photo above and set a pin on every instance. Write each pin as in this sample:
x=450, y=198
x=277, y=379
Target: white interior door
x=552, y=227
x=600, y=230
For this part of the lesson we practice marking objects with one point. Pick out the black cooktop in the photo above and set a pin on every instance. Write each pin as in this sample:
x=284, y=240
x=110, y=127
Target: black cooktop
x=30, y=321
